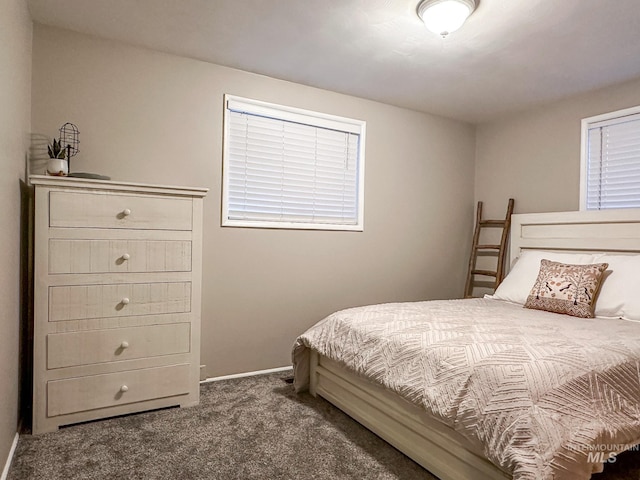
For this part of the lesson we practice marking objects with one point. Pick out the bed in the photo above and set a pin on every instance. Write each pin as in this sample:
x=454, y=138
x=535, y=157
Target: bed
x=574, y=414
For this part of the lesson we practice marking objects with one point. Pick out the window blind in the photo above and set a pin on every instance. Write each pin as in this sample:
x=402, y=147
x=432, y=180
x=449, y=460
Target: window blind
x=613, y=163
x=290, y=167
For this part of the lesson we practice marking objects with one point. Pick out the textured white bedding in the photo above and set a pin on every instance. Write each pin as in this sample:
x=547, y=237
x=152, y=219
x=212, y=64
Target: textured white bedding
x=542, y=395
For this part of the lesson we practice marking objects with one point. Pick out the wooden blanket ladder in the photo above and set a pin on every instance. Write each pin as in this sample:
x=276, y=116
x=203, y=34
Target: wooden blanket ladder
x=499, y=250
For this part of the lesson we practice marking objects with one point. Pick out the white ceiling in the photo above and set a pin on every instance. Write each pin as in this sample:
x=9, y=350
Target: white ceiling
x=510, y=55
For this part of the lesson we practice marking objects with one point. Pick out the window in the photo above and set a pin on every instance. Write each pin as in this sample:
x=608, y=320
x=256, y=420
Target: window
x=289, y=168
x=610, y=161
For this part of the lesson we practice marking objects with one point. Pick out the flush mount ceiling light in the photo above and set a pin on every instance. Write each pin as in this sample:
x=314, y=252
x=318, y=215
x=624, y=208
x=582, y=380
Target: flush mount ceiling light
x=445, y=16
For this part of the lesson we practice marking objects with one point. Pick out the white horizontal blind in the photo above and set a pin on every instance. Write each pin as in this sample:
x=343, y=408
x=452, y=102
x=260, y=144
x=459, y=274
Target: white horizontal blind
x=613, y=163
x=284, y=168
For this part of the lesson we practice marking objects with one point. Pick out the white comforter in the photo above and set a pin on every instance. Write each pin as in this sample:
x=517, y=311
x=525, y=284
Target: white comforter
x=535, y=391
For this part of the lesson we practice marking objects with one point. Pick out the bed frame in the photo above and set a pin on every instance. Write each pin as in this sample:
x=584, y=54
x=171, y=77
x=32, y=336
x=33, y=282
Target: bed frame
x=435, y=446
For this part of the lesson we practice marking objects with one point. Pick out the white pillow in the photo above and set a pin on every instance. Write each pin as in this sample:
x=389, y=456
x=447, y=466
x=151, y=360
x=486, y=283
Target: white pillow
x=620, y=292
x=517, y=285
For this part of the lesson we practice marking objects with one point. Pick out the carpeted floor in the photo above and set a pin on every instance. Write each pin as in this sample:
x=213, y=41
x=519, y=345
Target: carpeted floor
x=248, y=428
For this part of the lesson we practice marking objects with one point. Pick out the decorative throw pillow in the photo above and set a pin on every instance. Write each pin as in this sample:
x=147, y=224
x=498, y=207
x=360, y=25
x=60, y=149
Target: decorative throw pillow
x=516, y=286
x=566, y=288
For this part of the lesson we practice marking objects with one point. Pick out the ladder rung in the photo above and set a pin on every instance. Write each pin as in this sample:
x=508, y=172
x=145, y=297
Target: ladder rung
x=492, y=223
x=487, y=247
x=488, y=273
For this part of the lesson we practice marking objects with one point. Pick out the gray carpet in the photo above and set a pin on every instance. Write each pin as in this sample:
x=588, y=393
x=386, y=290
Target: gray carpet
x=249, y=428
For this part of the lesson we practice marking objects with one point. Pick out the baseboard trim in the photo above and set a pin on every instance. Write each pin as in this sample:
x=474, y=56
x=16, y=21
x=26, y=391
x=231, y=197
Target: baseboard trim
x=246, y=374
x=5, y=471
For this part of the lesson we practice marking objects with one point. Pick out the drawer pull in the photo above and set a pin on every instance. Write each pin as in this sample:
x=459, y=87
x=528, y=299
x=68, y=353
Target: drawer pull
x=126, y=256
x=126, y=212
x=124, y=301
x=124, y=345
x=124, y=388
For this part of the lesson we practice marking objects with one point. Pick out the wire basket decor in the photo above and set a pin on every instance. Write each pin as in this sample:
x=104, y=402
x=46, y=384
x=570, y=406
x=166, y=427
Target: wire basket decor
x=69, y=137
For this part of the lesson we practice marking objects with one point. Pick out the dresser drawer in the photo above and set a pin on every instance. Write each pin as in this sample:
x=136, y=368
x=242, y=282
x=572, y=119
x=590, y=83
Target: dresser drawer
x=78, y=302
x=98, y=346
x=79, y=394
x=107, y=256
x=109, y=210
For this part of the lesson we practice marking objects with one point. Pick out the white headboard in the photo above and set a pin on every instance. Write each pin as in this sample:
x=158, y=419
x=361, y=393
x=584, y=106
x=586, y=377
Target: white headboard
x=589, y=231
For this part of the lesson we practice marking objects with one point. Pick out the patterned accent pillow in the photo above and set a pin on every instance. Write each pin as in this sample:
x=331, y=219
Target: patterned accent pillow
x=565, y=288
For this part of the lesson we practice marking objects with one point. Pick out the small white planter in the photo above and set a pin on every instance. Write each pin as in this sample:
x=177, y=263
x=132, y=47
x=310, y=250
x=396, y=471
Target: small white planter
x=58, y=167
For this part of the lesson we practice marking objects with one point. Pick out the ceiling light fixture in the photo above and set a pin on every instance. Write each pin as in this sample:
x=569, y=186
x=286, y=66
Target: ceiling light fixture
x=445, y=16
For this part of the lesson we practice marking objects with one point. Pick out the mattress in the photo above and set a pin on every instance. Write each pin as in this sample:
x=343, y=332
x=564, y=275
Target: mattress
x=541, y=395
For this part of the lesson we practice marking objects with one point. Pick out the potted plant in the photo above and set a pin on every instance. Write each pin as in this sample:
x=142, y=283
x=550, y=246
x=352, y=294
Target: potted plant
x=57, y=163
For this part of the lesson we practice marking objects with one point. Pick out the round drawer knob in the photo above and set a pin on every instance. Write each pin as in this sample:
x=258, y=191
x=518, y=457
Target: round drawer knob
x=126, y=212
x=124, y=301
x=124, y=388
x=124, y=344
x=126, y=256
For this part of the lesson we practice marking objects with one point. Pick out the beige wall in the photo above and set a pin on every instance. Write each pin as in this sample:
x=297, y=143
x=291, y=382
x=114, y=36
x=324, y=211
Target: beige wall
x=534, y=156
x=15, y=99
x=155, y=118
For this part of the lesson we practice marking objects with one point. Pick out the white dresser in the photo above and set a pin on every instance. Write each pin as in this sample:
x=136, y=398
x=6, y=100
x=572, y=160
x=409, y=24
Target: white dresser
x=117, y=295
